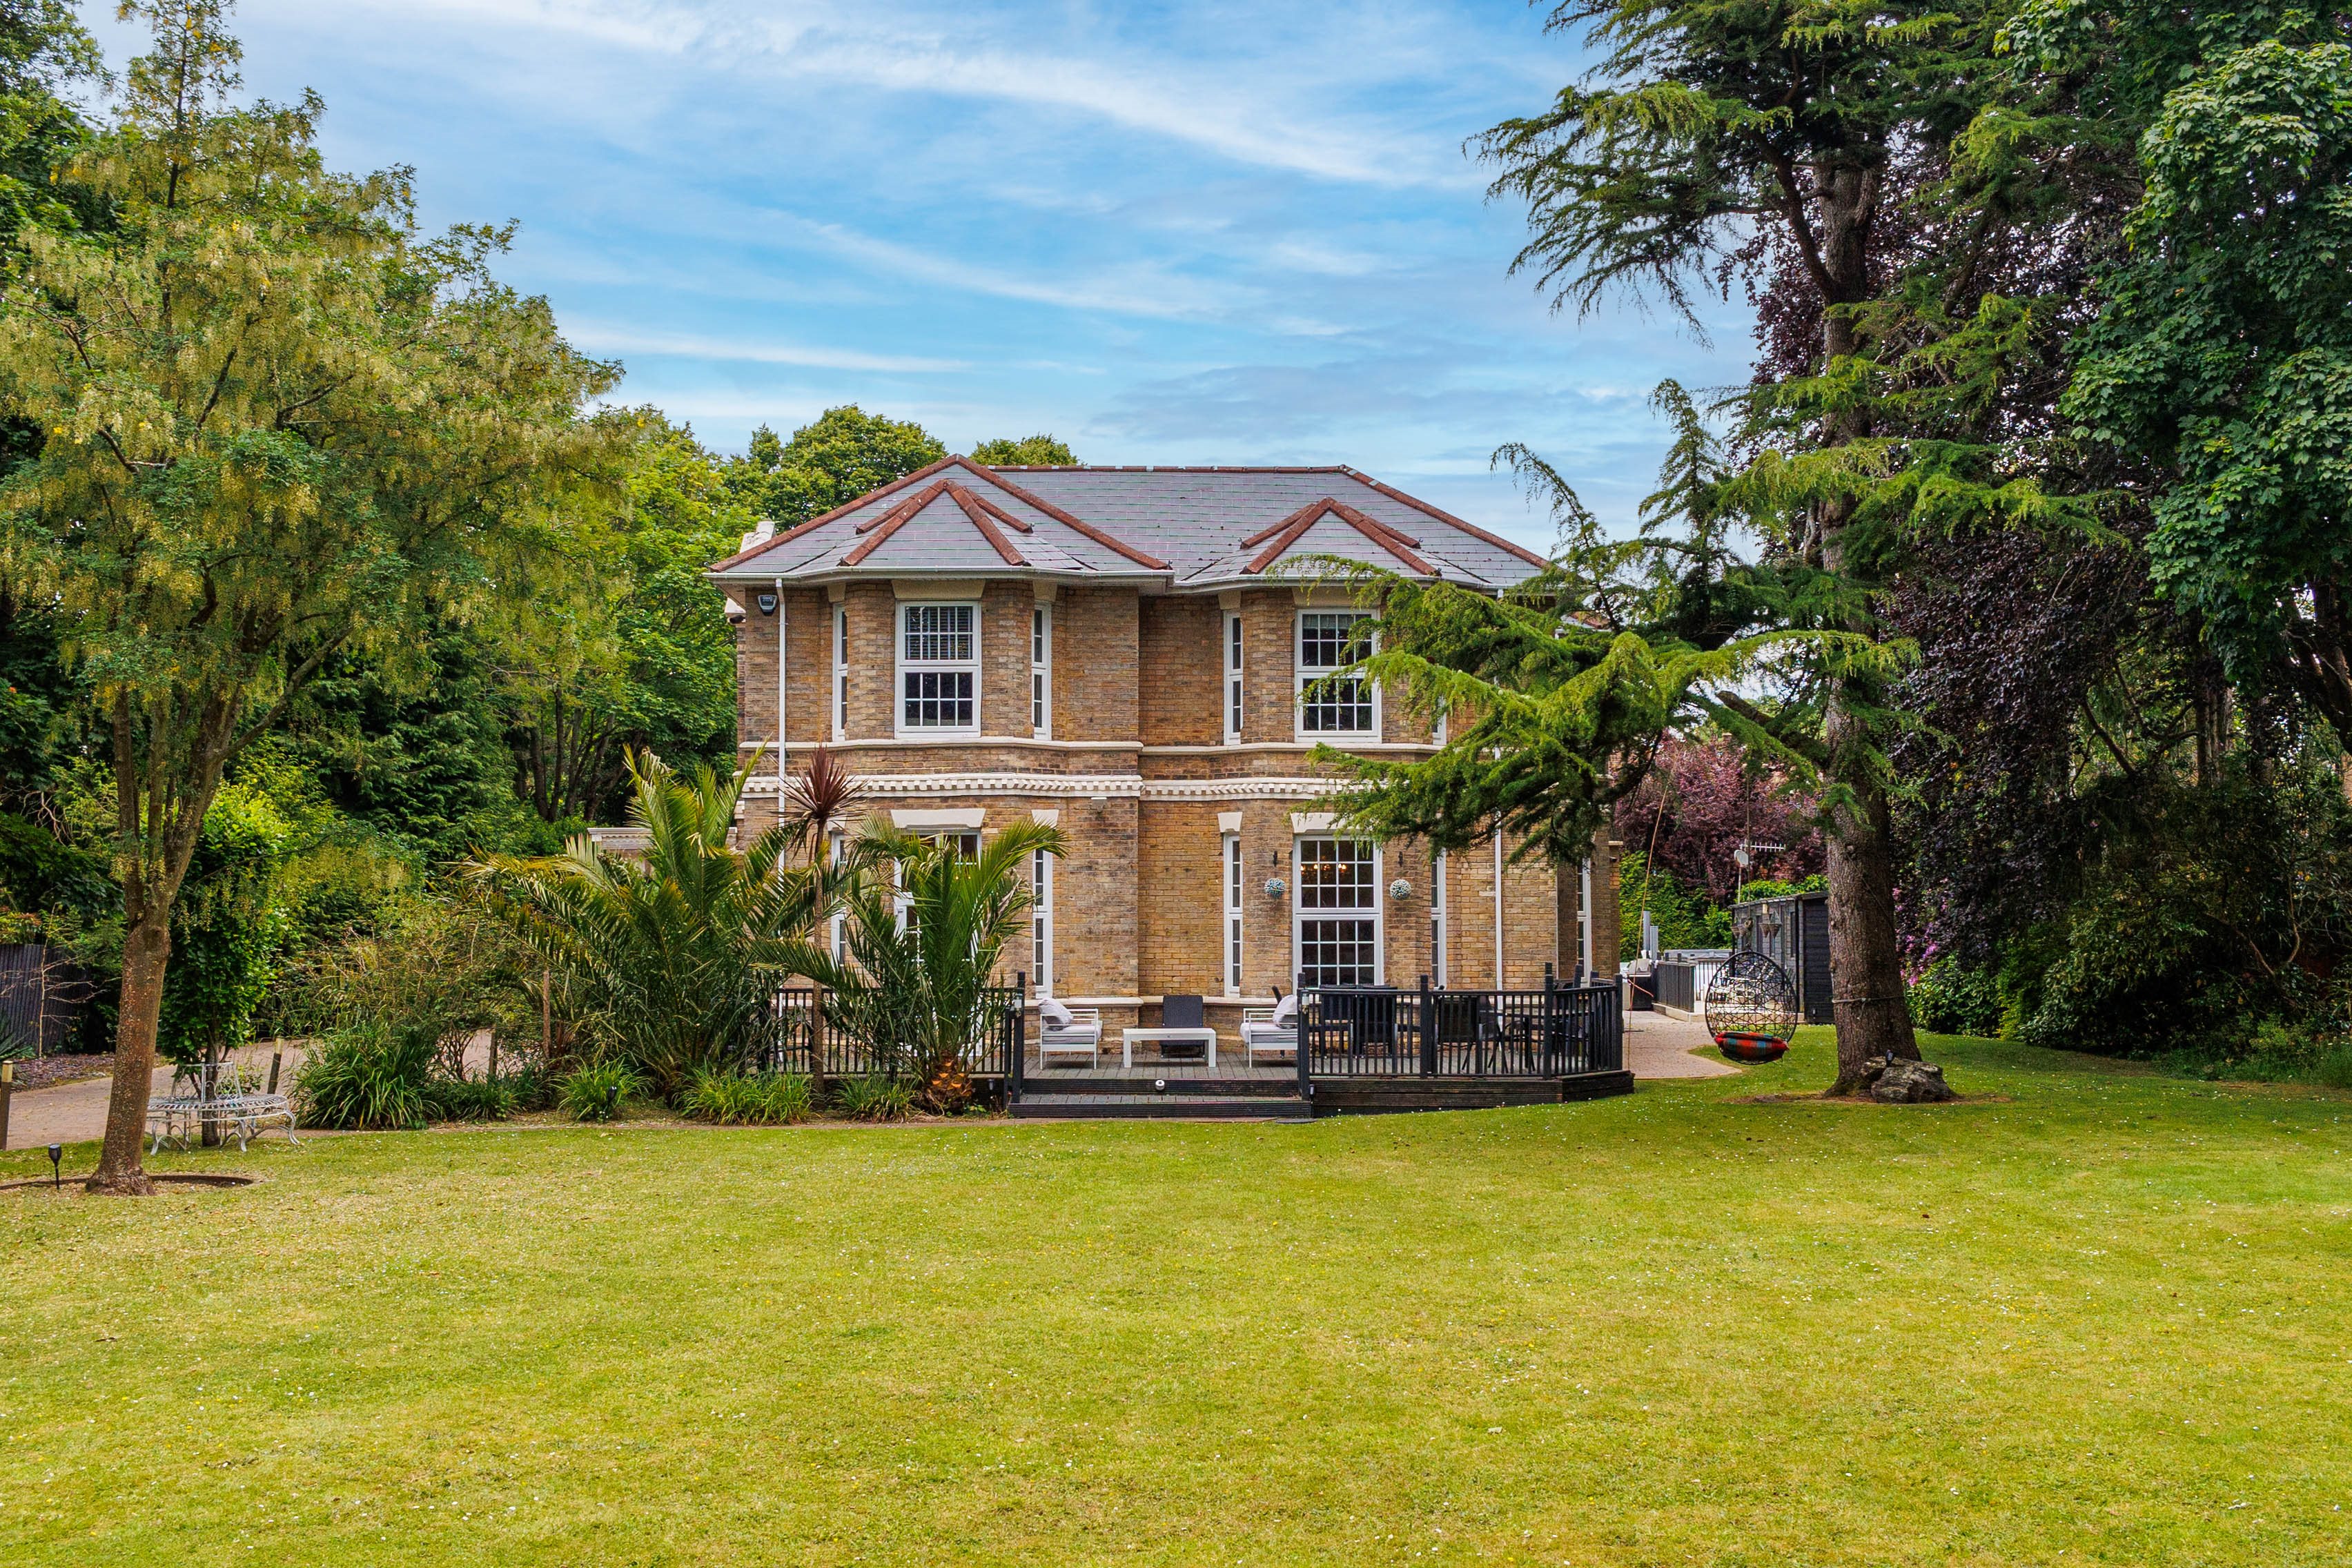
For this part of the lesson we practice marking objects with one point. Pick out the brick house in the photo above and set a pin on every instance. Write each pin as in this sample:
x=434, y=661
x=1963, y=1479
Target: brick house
x=1116, y=651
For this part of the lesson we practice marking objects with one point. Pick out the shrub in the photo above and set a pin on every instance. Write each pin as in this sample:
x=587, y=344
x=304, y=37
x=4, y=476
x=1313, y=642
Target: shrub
x=535, y=1087
x=597, y=1091
x=675, y=952
x=472, y=1099
x=1951, y=1000
x=877, y=1097
x=748, y=1098
x=366, y=1076
x=925, y=945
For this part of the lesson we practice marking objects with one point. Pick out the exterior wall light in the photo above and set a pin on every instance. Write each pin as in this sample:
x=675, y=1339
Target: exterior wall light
x=1276, y=887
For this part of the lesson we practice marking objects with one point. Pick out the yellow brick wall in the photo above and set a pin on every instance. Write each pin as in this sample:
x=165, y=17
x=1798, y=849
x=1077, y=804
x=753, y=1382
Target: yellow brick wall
x=1139, y=898
x=1096, y=664
x=1178, y=646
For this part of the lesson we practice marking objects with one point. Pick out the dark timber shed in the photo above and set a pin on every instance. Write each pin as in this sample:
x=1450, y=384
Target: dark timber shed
x=1794, y=932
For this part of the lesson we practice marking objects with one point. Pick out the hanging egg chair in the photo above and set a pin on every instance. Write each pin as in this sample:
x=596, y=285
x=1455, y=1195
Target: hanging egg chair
x=1751, y=1009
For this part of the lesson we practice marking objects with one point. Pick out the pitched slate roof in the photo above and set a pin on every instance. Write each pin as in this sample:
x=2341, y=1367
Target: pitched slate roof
x=1186, y=529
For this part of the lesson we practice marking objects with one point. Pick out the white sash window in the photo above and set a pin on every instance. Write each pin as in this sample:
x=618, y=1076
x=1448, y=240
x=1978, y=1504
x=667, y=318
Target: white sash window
x=1041, y=673
x=939, y=670
x=1344, y=709
x=1233, y=656
x=1339, y=912
x=1231, y=848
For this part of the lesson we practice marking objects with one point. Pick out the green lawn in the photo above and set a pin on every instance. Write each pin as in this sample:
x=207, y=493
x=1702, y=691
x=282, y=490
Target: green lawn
x=2103, y=1317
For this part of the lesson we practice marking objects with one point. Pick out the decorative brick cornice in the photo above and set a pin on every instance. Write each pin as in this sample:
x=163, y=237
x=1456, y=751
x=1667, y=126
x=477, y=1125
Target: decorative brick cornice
x=1079, y=786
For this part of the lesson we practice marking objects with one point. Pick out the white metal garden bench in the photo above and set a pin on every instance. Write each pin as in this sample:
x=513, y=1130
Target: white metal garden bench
x=224, y=1098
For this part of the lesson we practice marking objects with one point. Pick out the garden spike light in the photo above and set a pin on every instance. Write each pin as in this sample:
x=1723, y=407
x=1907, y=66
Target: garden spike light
x=57, y=1153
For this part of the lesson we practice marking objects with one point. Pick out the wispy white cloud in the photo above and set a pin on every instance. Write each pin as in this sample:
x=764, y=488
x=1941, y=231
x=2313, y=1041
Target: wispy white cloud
x=601, y=338
x=1140, y=290
x=1222, y=230
x=1292, y=112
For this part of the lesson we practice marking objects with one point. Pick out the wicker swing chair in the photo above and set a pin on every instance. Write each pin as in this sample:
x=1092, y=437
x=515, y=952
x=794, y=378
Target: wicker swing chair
x=1751, y=1009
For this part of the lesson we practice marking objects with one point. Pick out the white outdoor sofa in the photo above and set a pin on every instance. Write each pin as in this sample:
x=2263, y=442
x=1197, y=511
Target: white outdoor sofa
x=1270, y=1031
x=1074, y=1032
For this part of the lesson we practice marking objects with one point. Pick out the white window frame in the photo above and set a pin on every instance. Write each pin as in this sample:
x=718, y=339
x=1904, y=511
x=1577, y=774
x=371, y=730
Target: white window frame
x=1041, y=922
x=837, y=846
x=1438, y=934
x=906, y=667
x=841, y=672
x=1303, y=677
x=1300, y=912
x=1041, y=671
x=1231, y=653
x=1229, y=852
x=967, y=842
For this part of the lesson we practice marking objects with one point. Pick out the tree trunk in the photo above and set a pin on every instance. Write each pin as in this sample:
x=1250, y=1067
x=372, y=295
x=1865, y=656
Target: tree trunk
x=1865, y=958
x=146, y=949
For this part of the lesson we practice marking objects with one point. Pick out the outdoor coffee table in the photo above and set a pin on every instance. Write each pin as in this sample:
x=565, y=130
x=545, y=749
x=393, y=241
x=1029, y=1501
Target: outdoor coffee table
x=1128, y=1038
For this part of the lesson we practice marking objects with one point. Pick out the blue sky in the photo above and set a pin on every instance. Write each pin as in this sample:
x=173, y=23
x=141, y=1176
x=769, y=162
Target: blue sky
x=1168, y=234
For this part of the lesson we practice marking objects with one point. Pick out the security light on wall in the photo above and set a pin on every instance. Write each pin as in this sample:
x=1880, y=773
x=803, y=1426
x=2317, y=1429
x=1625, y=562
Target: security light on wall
x=767, y=603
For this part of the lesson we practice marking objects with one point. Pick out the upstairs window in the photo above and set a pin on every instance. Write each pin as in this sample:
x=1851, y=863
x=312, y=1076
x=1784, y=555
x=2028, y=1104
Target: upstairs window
x=840, y=672
x=1329, y=707
x=939, y=670
x=1041, y=673
x=1232, y=651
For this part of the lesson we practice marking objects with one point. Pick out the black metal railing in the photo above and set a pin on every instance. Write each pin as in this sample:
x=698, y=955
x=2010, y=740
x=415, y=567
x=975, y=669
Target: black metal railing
x=1387, y=1032
x=804, y=1029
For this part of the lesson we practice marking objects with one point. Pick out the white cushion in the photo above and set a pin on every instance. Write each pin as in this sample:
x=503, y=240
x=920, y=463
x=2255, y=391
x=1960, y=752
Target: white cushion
x=1054, y=1015
x=1286, y=1011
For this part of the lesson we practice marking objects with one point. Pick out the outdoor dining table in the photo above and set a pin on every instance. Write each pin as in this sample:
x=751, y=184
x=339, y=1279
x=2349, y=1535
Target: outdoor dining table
x=1128, y=1038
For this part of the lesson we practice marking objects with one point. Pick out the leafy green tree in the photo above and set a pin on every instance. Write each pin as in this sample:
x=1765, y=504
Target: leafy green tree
x=2224, y=350
x=414, y=747
x=1557, y=693
x=1723, y=136
x=625, y=645
x=227, y=928
x=278, y=424
x=1039, y=451
x=836, y=458
x=44, y=51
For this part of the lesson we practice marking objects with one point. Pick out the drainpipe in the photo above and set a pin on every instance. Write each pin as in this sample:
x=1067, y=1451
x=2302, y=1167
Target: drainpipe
x=1498, y=909
x=1584, y=893
x=779, y=699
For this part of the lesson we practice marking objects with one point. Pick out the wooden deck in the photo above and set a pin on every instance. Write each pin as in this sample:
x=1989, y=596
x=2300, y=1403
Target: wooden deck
x=1192, y=1090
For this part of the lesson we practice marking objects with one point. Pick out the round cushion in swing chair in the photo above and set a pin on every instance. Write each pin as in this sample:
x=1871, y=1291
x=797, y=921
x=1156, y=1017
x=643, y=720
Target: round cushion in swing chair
x=1747, y=1047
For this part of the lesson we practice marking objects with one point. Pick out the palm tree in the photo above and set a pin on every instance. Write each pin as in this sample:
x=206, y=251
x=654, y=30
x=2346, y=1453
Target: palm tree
x=678, y=954
x=923, y=946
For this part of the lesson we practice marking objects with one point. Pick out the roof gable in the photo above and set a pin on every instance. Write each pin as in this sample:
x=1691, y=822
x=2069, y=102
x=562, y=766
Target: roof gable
x=1195, y=527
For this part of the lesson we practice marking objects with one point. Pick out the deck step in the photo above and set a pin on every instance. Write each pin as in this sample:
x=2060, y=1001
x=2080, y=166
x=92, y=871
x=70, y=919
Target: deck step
x=1037, y=1085
x=1063, y=1107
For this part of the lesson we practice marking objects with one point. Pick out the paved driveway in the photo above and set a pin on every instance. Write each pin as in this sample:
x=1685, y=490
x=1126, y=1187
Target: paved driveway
x=1660, y=1046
